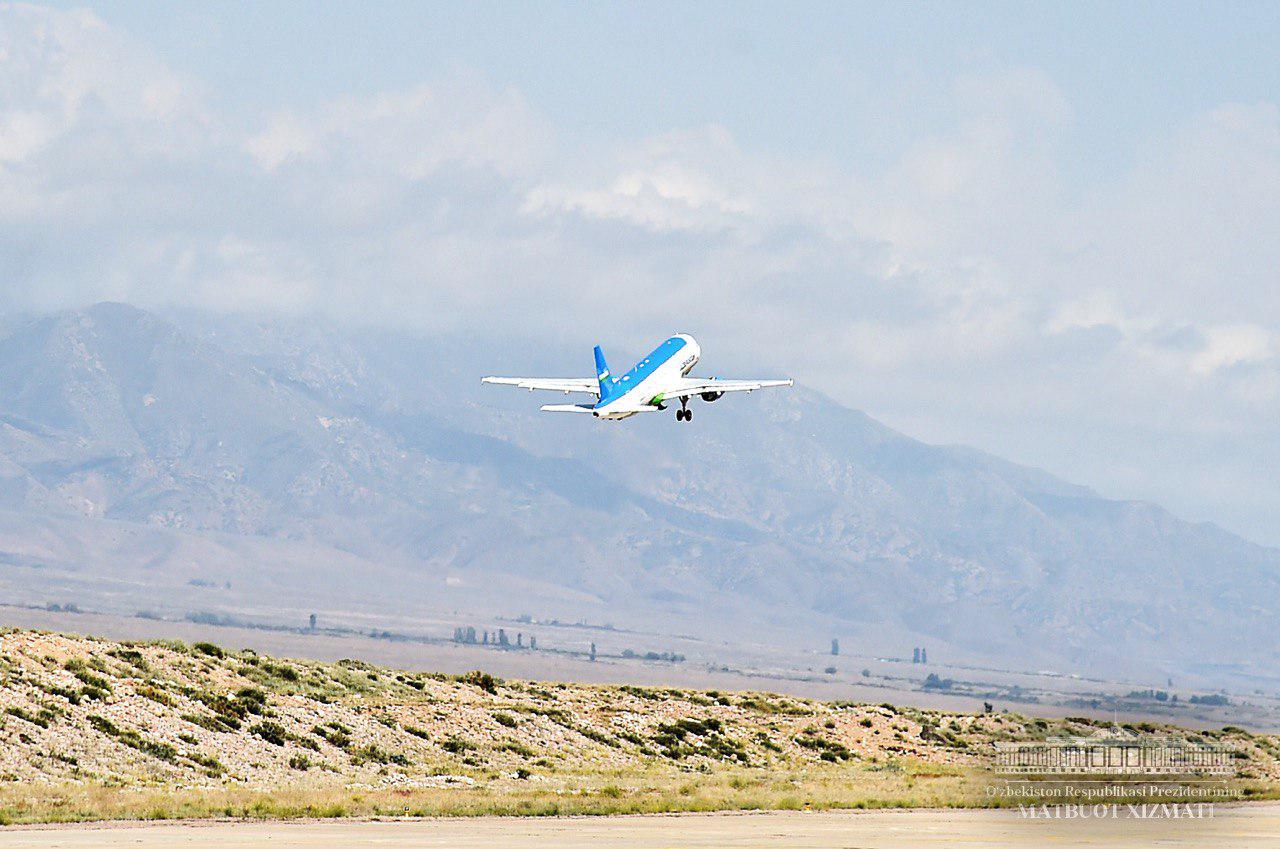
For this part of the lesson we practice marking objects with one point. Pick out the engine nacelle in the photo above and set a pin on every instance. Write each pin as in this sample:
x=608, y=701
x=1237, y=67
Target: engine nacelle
x=710, y=396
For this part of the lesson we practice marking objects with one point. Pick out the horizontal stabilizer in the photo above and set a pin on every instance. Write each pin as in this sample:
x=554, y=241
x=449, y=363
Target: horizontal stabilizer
x=551, y=384
x=568, y=408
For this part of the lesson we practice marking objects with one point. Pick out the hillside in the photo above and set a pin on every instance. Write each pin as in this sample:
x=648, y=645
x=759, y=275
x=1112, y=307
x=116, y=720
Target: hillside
x=195, y=463
x=95, y=728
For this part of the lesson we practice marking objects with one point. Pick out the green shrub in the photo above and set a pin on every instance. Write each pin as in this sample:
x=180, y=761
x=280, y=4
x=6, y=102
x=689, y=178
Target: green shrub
x=42, y=721
x=154, y=694
x=456, y=745
x=480, y=679
x=334, y=734
x=211, y=765
x=133, y=657
x=372, y=753
x=272, y=732
x=91, y=680
x=210, y=649
x=131, y=738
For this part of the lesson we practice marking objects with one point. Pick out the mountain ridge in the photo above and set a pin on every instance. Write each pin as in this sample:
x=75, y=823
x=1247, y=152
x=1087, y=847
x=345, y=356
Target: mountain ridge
x=786, y=509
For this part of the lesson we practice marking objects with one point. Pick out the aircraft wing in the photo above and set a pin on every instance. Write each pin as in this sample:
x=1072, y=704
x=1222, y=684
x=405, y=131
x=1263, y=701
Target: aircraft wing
x=589, y=385
x=699, y=385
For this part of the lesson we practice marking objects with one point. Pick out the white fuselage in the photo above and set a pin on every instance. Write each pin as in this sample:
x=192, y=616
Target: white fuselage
x=641, y=389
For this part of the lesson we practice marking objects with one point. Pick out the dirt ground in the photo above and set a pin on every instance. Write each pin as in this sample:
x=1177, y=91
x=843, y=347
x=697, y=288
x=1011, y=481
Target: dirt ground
x=1229, y=826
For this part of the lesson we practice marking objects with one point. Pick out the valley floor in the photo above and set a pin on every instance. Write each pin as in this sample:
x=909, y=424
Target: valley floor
x=1239, y=827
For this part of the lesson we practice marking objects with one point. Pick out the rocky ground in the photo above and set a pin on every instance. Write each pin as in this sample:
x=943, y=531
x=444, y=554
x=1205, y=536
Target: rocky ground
x=121, y=718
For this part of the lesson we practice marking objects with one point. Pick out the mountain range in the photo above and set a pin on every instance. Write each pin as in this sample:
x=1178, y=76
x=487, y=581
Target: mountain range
x=269, y=467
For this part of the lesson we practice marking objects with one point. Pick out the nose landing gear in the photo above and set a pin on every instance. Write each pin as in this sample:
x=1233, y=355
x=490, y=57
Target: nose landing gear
x=684, y=414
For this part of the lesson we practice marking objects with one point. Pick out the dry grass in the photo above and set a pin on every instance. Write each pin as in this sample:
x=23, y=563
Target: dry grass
x=94, y=729
x=624, y=792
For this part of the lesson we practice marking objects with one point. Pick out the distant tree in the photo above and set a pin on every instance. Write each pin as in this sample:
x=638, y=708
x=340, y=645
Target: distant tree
x=835, y=647
x=457, y=635
x=533, y=643
x=933, y=682
x=593, y=652
x=866, y=673
x=987, y=707
x=470, y=636
x=503, y=642
x=830, y=670
x=924, y=655
x=486, y=638
x=915, y=656
x=520, y=640
x=312, y=621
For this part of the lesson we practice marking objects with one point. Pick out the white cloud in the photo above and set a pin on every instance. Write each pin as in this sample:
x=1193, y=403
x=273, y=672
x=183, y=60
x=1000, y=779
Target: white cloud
x=964, y=284
x=1232, y=346
x=412, y=134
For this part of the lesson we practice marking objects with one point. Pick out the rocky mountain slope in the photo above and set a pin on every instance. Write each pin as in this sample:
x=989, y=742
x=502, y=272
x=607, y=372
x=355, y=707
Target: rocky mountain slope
x=194, y=461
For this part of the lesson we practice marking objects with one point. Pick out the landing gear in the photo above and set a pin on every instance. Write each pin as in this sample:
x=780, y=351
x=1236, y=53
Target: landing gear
x=684, y=414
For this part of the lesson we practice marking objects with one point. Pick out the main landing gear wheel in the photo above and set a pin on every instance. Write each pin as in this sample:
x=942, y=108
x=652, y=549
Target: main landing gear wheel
x=684, y=414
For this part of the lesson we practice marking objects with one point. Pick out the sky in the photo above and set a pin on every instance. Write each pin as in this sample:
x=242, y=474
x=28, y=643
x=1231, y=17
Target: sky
x=1051, y=231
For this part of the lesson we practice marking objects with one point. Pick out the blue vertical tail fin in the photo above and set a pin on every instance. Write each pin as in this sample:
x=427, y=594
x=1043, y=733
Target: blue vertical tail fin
x=602, y=373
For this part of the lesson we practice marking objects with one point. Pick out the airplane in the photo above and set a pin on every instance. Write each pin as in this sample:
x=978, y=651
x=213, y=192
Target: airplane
x=660, y=377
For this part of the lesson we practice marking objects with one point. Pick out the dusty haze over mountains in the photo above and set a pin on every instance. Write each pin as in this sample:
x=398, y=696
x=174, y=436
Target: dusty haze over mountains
x=311, y=468
x=938, y=214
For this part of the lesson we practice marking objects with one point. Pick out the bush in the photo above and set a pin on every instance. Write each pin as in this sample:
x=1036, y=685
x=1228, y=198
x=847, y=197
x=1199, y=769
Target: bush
x=335, y=734
x=456, y=746
x=505, y=719
x=282, y=671
x=480, y=679
x=272, y=732
x=210, y=649
x=134, y=740
x=41, y=721
x=131, y=656
x=155, y=695
x=376, y=755
x=211, y=764
x=95, y=681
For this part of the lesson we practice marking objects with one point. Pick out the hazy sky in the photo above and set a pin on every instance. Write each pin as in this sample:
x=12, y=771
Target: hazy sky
x=1047, y=230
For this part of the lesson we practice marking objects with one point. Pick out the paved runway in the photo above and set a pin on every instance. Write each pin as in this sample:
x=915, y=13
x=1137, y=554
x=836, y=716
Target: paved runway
x=1238, y=827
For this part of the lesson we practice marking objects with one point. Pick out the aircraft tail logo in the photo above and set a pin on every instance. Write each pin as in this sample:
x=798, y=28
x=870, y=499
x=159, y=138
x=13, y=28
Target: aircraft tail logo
x=602, y=373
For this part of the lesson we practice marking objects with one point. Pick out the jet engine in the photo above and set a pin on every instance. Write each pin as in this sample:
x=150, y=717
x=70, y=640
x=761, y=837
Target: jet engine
x=710, y=396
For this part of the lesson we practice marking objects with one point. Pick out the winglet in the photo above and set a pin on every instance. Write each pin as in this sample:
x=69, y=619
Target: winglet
x=602, y=373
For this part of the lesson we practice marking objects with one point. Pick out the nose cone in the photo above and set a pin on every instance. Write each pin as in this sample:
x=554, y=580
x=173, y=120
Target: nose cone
x=691, y=344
